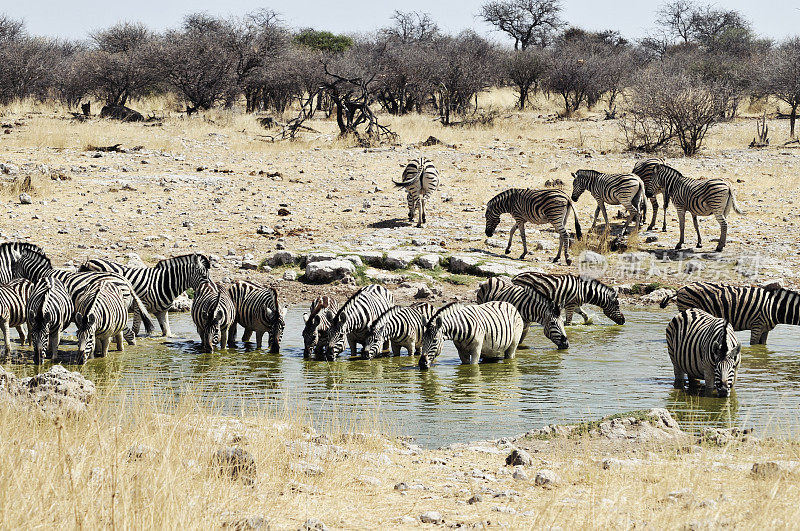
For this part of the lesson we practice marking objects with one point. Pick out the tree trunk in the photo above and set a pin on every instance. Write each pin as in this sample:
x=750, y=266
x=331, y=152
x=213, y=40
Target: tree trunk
x=792, y=120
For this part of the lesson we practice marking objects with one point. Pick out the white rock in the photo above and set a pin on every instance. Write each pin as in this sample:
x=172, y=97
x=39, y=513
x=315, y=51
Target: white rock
x=658, y=295
x=463, y=264
x=290, y=275
x=398, y=259
x=429, y=261
x=431, y=517
x=329, y=270
x=319, y=256
x=547, y=479
x=25, y=199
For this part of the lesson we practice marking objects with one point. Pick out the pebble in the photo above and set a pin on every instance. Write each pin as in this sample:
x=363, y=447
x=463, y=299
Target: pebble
x=520, y=475
x=315, y=524
x=547, y=479
x=25, y=199
x=431, y=517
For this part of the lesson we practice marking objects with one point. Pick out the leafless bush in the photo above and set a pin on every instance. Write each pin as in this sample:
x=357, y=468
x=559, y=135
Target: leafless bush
x=525, y=69
x=780, y=76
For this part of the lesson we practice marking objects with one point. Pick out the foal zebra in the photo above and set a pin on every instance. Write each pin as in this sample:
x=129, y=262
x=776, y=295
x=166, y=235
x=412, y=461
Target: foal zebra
x=317, y=323
x=746, y=307
x=13, y=299
x=532, y=305
x=420, y=179
x=624, y=189
x=213, y=313
x=537, y=207
x=353, y=319
x=257, y=310
x=488, y=330
x=100, y=315
x=570, y=292
x=158, y=286
x=699, y=197
x=49, y=311
x=401, y=326
x=646, y=169
x=703, y=346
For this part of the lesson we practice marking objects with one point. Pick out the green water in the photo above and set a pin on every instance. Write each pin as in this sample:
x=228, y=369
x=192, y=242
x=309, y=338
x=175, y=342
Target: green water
x=608, y=369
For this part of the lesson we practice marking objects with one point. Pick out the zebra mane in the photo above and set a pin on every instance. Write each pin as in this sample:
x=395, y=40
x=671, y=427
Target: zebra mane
x=175, y=260
x=5, y=247
x=445, y=308
x=604, y=288
x=38, y=254
x=669, y=171
x=349, y=302
x=588, y=173
x=501, y=197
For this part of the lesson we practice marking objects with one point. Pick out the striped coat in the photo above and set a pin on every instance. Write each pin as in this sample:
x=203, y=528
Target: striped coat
x=8, y=252
x=100, y=315
x=257, y=310
x=646, y=170
x=537, y=207
x=624, y=189
x=745, y=307
x=571, y=291
x=420, y=179
x=13, y=300
x=702, y=346
x=699, y=197
x=213, y=313
x=317, y=323
x=401, y=326
x=49, y=311
x=354, y=318
x=490, y=330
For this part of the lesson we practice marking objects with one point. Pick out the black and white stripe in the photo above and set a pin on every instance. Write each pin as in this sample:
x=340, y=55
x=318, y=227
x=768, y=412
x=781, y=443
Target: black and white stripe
x=705, y=347
x=746, y=307
x=533, y=306
x=490, y=330
x=213, y=313
x=8, y=250
x=699, y=197
x=257, y=310
x=646, y=170
x=158, y=286
x=625, y=189
x=13, y=300
x=353, y=319
x=570, y=292
x=49, y=311
x=420, y=179
x=317, y=323
x=537, y=207
x=401, y=326
x=100, y=315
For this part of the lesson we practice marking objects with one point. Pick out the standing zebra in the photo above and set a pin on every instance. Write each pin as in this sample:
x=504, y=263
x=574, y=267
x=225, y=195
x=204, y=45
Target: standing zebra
x=488, y=330
x=624, y=189
x=213, y=313
x=699, y=197
x=534, y=206
x=420, y=179
x=7, y=252
x=646, y=169
x=703, y=346
x=257, y=310
x=746, y=307
x=353, y=319
x=572, y=291
x=532, y=306
x=401, y=326
x=13, y=299
x=317, y=323
x=100, y=315
x=49, y=311
x=158, y=286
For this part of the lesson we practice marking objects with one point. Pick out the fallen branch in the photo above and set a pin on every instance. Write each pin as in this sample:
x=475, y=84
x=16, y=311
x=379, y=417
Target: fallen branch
x=106, y=149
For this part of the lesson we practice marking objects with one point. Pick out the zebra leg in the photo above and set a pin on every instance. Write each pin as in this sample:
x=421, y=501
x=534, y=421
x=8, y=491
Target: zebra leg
x=223, y=338
x=163, y=322
x=421, y=218
x=605, y=216
x=103, y=347
x=120, y=343
x=396, y=348
x=424, y=209
x=55, y=339
x=259, y=339
x=129, y=335
x=525, y=326
x=246, y=334
x=664, y=227
x=511, y=237
x=596, y=215
x=654, y=203
x=682, y=227
x=137, y=320
x=353, y=347
x=679, y=375
x=22, y=334
x=232, y=335
x=708, y=377
x=697, y=230
x=524, y=241
x=7, y=335
x=633, y=214
x=723, y=232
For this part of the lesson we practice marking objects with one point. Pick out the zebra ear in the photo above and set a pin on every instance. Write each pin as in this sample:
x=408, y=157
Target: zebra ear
x=438, y=322
x=78, y=319
x=330, y=315
x=283, y=311
x=90, y=319
x=573, y=175
x=316, y=320
x=305, y=317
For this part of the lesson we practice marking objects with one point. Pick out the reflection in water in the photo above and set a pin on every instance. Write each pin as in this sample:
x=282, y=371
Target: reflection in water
x=608, y=369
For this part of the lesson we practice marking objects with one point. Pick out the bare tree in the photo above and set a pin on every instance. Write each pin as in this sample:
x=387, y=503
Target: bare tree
x=525, y=69
x=677, y=19
x=528, y=22
x=10, y=29
x=782, y=77
x=411, y=27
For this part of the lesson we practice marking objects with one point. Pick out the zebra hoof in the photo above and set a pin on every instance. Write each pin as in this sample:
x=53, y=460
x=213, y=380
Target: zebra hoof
x=718, y=249
x=522, y=256
x=508, y=251
x=568, y=261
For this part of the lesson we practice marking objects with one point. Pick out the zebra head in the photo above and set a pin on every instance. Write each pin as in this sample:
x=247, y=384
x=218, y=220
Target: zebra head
x=492, y=219
x=580, y=182
x=726, y=354
x=432, y=342
x=374, y=341
x=612, y=311
x=212, y=330
x=336, y=335
x=198, y=269
x=276, y=330
x=310, y=333
x=554, y=327
x=87, y=325
x=39, y=328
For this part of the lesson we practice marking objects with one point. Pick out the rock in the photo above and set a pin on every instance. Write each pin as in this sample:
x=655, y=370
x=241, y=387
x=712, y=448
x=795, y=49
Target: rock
x=724, y=436
x=494, y=242
x=55, y=391
x=182, y=303
x=693, y=266
x=306, y=469
x=494, y=270
x=591, y=258
x=249, y=265
x=431, y=517
x=658, y=295
x=429, y=261
x=546, y=479
x=281, y=258
x=773, y=284
x=520, y=475
x=423, y=292
x=477, y=498
x=319, y=256
x=314, y=524
x=290, y=275
x=766, y=470
x=134, y=260
x=519, y=457
x=235, y=463
x=402, y=486
x=263, y=229
x=8, y=168
x=329, y=270
x=463, y=264
x=355, y=259
x=370, y=480
x=248, y=522
x=373, y=258
x=398, y=259
x=504, y=509
x=25, y=199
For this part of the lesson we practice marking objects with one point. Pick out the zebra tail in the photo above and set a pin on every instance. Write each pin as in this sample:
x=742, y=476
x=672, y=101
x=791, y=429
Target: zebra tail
x=403, y=184
x=148, y=324
x=578, y=233
x=732, y=203
x=667, y=300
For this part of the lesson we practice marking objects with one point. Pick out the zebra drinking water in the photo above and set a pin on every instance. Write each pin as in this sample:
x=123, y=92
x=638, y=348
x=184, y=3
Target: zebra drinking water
x=490, y=330
x=624, y=189
x=13, y=299
x=537, y=207
x=100, y=315
x=213, y=313
x=401, y=326
x=353, y=319
x=420, y=179
x=702, y=346
x=317, y=323
x=49, y=311
x=257, y=310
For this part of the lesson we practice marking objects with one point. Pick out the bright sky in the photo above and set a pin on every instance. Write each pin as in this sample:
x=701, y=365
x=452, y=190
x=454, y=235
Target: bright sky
x=76, y=18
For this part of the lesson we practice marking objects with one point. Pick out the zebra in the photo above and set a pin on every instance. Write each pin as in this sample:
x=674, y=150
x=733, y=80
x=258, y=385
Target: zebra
x=703, y=346
x=624, y=189
x=317, y=323
x=646, y=169
x=353, y=319
x=570, y=292
x=213, y=313
x=35, y=265
x=534, y=206
x=100, y=315
x=746, y=307
x=49, y=311
x=532, y=305
x=158, y=286
x=7, y=252
x=420, y=179
x=699, y=197
x=487, y=330
x=13, y=299
x=257, y=310
x=401, y=326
